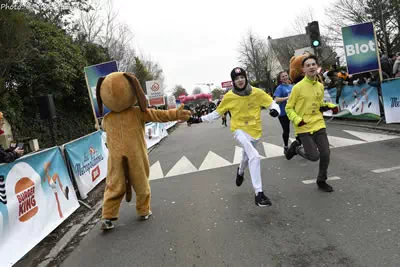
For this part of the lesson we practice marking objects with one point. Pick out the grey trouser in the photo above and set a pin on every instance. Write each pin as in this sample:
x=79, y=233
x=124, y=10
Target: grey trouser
x=316, y=147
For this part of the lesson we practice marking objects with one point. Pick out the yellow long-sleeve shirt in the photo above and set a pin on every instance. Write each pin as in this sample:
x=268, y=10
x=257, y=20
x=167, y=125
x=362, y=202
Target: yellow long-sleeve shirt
x=246, y=110
x=304, y=103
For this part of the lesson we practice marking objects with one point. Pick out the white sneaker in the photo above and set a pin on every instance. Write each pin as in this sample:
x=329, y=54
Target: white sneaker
x=146, y=217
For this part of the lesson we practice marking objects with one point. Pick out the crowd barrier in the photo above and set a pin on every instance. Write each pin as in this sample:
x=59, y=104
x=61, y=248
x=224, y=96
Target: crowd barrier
x=391, y=100
x=361, y=102
x=37, y=193
x=355, y=102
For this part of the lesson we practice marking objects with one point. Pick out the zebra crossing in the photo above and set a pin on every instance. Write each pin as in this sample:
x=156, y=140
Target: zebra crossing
x=213, y=160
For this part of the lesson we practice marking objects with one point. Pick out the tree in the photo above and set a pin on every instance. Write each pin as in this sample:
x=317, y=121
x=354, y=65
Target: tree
x=142, y=73
x=13, y=44
x=258, y=59
x=385, y=14
x=197, y=90
x=179, y=90
x=58, y=12
x=217, y=93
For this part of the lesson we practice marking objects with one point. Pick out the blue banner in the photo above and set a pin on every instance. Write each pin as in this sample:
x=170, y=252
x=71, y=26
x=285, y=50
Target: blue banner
x=391, y=100
x=93, y=73
x=357, y=102
x=37, y=197
x=360, y=48
x=87, y=158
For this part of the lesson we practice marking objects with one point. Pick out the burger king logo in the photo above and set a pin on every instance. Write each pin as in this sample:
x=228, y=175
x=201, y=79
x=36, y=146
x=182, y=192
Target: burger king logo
x=25, y=192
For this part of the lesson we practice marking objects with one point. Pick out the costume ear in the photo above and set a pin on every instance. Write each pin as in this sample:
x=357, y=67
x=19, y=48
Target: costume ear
x=98, y=96
x=137, y=91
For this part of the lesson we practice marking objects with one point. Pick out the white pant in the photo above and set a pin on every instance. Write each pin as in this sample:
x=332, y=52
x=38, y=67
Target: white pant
x=250, y=158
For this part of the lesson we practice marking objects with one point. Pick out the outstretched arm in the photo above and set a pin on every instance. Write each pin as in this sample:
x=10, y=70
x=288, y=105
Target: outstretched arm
x=268, y=102
x=211, y=116
x=152, y=115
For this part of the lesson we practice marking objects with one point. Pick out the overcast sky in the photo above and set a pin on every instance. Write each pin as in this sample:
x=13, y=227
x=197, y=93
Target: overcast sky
x=198, y=41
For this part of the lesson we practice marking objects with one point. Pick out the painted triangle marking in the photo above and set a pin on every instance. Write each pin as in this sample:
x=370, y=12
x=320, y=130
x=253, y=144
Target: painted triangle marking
x=272, y=151
x=156, y=171
x=213, y=161
x=183, y=166
x=340, y=142
x=238, y=155
x=371, y=137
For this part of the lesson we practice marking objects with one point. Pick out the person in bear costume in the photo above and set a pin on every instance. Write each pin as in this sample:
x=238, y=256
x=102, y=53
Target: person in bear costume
x=128, y=163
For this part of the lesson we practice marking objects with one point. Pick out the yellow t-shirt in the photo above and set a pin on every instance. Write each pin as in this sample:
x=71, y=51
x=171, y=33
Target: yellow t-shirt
x=246, y=110
x=304, y=103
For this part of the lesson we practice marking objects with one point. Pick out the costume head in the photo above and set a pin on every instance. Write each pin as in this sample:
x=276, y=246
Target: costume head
x=237, y=72
x=119, y=91
x=296, y=67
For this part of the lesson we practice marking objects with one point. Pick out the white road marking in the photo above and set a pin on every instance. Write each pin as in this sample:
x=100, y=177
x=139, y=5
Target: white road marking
x=386, y=169
x=341, y=142
x=372, y=137
x=156, y=171
x=313, y=181
x=213, y=161
x=183, y=166
x=238, y=155
x=272, y=151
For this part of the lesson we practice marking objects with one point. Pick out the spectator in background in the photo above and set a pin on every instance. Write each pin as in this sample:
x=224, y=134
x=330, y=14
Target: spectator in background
x=281, y=96
x=9, y=155
x=396, y=66
x=387, y=67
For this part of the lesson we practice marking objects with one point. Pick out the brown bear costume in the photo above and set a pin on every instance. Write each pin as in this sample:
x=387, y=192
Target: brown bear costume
x=128, y=163
x=296, y=73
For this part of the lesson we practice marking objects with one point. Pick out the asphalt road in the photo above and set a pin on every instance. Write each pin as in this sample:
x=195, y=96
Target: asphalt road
x=202, y=219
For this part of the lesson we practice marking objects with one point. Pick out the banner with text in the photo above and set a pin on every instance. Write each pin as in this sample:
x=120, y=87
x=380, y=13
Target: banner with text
x=87, y=158
x=391, y=100
x=356, y=102
x=92, y=74
x=36, y=195
x=360, y=48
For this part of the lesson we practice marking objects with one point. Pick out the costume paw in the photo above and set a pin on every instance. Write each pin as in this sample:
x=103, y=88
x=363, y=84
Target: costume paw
x=182, y=114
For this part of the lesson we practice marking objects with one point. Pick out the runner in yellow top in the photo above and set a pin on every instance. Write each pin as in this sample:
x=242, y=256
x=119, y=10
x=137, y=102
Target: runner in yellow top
x=244, y=103
x=304, y=108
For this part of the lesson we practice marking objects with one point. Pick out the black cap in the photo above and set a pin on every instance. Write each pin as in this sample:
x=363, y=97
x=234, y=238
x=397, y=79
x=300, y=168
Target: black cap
x=237, y=72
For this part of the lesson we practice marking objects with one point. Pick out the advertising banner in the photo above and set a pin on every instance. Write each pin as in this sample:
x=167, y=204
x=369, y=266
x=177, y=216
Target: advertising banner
x=92, y=74
x=357, y=102
x=36, y=195
x=360, y=48
x=171, y=102
x=87, y=157
x=154, y=89
x=391, y=100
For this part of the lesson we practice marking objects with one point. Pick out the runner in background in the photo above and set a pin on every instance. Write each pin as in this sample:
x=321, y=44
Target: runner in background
x=281, y=96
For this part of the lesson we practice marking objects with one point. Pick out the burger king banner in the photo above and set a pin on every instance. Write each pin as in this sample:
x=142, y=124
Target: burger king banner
x=87, y=157
x=36, y=195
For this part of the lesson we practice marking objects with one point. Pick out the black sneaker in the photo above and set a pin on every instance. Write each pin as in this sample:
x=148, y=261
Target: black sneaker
x=106, y=225
x=323, y=186
x=262, y=200
x=292, y=149
x=285, y=149
x=239, y=178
